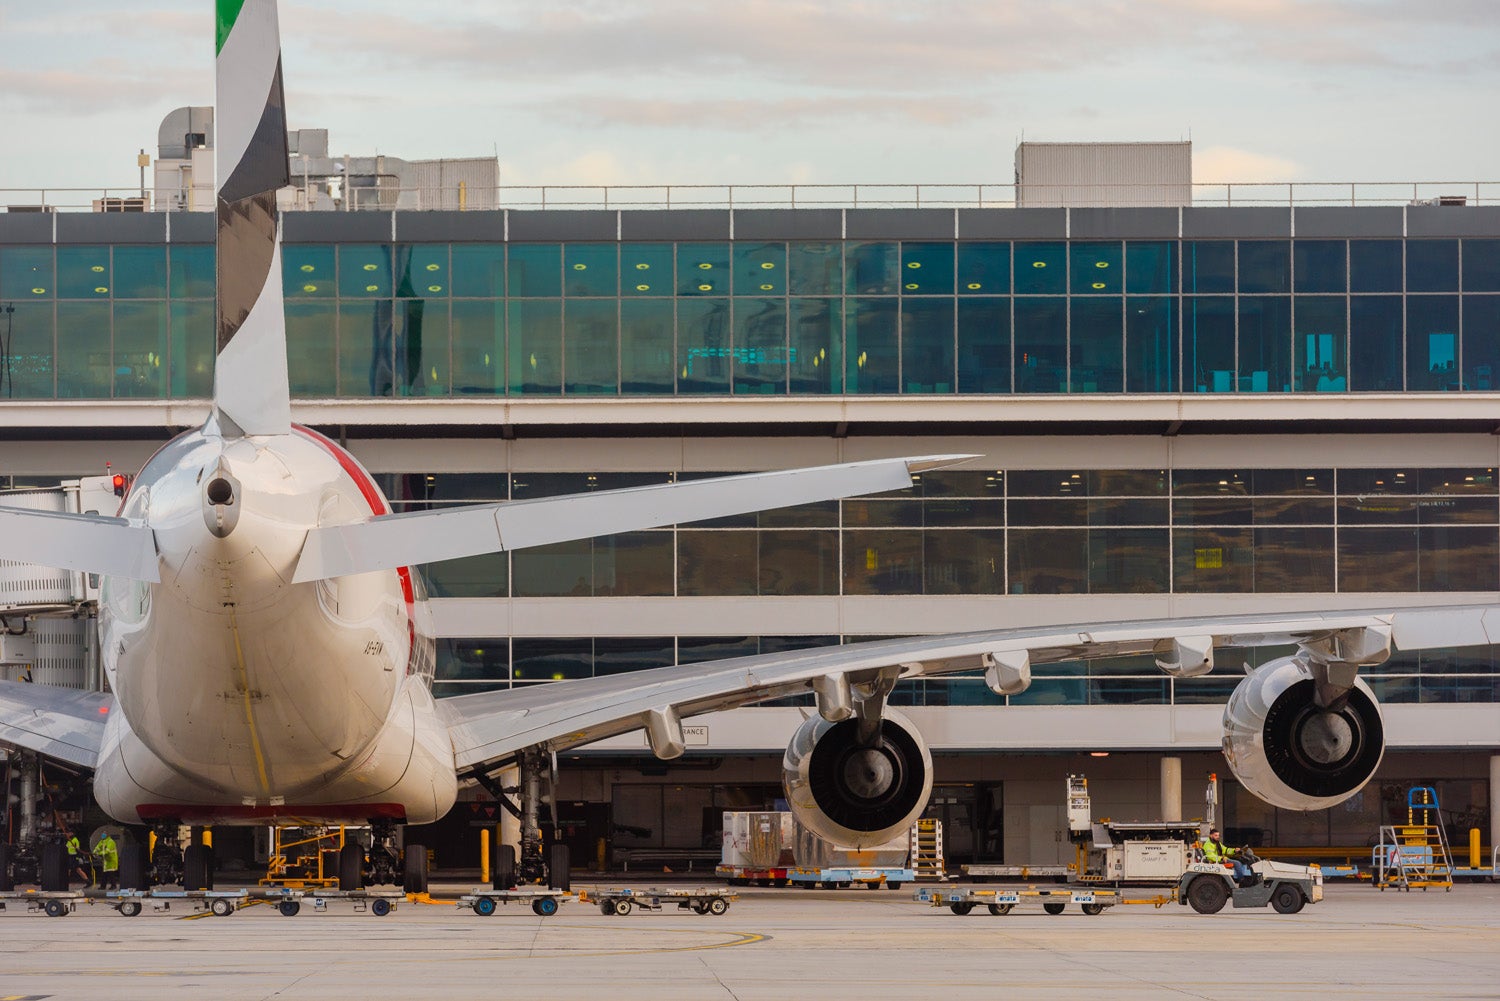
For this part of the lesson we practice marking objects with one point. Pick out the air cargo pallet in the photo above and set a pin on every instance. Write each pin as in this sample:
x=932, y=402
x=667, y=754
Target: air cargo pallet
x=841, y=878
x=483, y=900
x=984, y=872
x=736, y=875
x=53, y=903
x=377, y=902
x=963, y=899
x=622, y=902
x=129, y=903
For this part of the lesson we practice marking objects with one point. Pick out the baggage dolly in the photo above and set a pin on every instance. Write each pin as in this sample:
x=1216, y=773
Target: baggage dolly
x=963, y=899
x=53, y=903
x=220, y=903
x=622, y=902
x=377, y=902
x=483, y=900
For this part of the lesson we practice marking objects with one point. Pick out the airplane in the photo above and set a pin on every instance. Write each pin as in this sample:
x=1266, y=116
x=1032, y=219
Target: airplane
x=269, y=650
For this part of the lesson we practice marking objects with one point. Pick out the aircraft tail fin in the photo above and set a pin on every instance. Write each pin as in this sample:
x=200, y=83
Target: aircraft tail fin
x=251, y=392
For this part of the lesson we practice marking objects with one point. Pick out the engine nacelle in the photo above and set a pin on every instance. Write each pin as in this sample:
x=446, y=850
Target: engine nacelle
x=853, y=796
x=1290, y=752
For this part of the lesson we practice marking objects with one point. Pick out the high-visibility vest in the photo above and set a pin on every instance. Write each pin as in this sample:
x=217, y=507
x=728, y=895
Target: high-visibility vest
x=1214, y=851
x=72, y=846
x=108, y=853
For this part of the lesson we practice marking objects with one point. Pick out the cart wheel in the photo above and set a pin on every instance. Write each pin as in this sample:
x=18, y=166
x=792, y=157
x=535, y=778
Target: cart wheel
x=606, y=907
x=960, y=908
x=484, y=906
x=999, y=909
x=1287, y=899
x=622, y=907
x=221, y=907
x=893, y=886
x=289, y=908
x=1092, y=909
x=699, y=907
x=1207, y=894
x=1052, y=908
x=828, y=884
x=130, y=908
x=380, y=907
x=717, y=906
x=55, y=908
x=545, y=906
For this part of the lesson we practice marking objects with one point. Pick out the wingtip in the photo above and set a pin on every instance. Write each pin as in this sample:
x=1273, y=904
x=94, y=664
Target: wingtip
x=924, y=463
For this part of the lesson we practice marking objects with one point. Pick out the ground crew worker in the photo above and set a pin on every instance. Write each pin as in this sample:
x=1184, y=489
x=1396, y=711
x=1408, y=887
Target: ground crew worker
x=1215, y=851
x=75, y=861
x=108, y=854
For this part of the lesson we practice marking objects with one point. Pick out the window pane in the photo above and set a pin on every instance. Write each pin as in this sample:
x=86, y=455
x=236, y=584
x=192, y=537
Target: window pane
x=927, y=346
x=1265, y=266
x=760, y=346
x=1208, y=560
x=983, y=268
x=815, y=268
x=191, y=355
x=364, y=271
x=83, y=272
x=591, y=345
x=1128, y=482
x=962, y=513
x=140, y=272
x=883, y=513
x=422, y=270
x=366, y=345
x=191, y=271
x=477, y=659
x=927, y=268
x=1265, y=344
x=307, y=271
x=1481, y=345
x=1150, y=268
x=1481, y=265
x=1293, y=560
x=533, y=270
x=1048, y=483
x=703, y=346
x=636, y=653
x=872, y=359
x=872, y=268
x=1375, y=343
x=26, y=273
x=1210, y=482
x=1041, y=268
x=1128, y=561
x=1319, y=265
x=1459, y=559
x=422, y=348
x=471, y=577
x=703, y=269
x=633, y=563
x=798, y=562
x=646, y=347
x=1431, y=342
x=1151, y=345
x=563, y=568
x=28, y=332
x=1108, y=511
x=1375, y=266
x=1212, y=511
x=1318, y=344
x=591, y=269
x=1431, y=266
x=817, y=333
x=551, y=659
x=883, y=562
x=964, y=562
x=311, y=339
x=646, y=269
x=1208, y=343
x=984, y=345
x=1057, y=511
x=716, y=563
x=140, y=364
x=1377, y=559
x=478, y=329
x=1041, y=345
x=1049, y=561
x=820, y=514
x=760, y=269
x=1097, y=346
x=83, y=350
x=1097, y=268
x=1293, y=510
x=1208, y=266
x=534, y=346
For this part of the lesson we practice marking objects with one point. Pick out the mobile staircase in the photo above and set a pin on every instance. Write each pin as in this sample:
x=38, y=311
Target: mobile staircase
x=1415, y=854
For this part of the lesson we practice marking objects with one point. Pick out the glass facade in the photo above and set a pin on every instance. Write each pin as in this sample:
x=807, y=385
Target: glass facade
x=777, y=318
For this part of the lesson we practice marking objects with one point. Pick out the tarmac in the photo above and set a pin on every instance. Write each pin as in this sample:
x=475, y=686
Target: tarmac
x=773, y=944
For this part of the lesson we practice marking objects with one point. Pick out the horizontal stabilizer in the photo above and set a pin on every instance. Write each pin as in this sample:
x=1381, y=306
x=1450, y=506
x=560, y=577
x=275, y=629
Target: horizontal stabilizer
x=86, y=542
x=428, y=536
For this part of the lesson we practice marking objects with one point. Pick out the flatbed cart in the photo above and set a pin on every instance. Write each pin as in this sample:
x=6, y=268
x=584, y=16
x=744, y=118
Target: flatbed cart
x=220, y=903
x=622, y=902
x=844, y=877
x=484, y=900
x=963, y=899
x=53, y=903
x=378, y=902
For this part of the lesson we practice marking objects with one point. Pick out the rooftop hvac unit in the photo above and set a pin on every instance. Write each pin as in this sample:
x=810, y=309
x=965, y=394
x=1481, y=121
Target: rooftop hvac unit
x=135, y=204
x=1442, y=200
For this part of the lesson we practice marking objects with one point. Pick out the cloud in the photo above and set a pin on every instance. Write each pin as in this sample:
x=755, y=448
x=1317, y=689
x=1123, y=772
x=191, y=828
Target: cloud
x=770, y=114
x=1227, y=165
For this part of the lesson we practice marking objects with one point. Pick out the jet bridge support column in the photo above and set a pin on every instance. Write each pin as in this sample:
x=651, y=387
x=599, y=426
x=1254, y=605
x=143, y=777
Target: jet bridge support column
x=1171, y=789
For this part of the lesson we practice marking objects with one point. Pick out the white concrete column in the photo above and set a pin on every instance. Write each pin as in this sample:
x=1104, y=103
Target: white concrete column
x=1171, y=789
x=1494, y=802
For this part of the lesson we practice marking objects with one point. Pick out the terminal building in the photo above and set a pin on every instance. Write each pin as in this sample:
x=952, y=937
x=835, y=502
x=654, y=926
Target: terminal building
x=1181, y=409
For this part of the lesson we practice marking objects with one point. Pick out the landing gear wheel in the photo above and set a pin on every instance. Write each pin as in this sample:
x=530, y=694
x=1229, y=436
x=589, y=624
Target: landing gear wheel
x=130, y=908
x=1092, y=909
x=351, y=867
x=380, y=907
x=133, y=867
x=622, y=907
x=558, y=876
x=221, y=907
x=195, y=868
x=1207, y=894
x=606, y=907
x=289, y=908
x=544, y=906
x=1287, y=899
x=718, y=906
x=54, y=874
x=414, y=869
x=505, y=868
x=960, y=908
x=6, y=883
x=1052, y=908
x=55, y=908
x=999, y=909
x=484, y=906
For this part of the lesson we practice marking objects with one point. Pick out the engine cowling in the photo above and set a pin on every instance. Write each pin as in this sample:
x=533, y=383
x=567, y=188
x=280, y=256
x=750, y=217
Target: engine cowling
x=1290, y=752
x=853, y=796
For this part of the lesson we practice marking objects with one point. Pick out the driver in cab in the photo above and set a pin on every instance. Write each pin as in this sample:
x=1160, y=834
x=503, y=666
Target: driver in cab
x=1216, y=852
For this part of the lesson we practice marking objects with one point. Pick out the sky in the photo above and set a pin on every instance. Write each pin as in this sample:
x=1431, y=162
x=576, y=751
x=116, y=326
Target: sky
x=622, y=92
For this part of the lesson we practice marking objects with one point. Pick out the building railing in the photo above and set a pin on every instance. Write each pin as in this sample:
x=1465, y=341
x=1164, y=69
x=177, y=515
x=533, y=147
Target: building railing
x=808, y=196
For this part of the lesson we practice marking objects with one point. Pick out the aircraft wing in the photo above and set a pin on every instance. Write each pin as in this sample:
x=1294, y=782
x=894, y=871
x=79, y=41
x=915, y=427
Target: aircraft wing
x=491, y=726
x=89, y=543
x=61, y=723
x=397, y=540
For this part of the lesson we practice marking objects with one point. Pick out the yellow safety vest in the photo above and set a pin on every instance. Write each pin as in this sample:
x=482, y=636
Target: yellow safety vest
x=72, y=846
x=108, y=853
x=1215, y=851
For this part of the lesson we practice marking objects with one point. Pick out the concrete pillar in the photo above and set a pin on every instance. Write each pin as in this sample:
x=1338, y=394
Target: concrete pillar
x=1171, y=789
x=1494, y=801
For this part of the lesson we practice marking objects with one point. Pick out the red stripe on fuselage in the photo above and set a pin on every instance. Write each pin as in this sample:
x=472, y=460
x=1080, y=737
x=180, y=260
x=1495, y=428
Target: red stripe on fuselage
x=229, y=813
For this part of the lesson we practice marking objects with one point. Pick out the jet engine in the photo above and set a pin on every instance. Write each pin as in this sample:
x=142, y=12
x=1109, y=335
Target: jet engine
x=857, y=794
x=1290, y=751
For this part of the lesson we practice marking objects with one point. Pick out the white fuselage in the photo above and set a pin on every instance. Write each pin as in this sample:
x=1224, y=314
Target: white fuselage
x=244, y=697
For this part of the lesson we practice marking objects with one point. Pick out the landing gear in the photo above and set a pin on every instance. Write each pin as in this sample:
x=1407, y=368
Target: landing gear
x=414, y=869
x=351, y=866
x=384, y=865
x=166, y=864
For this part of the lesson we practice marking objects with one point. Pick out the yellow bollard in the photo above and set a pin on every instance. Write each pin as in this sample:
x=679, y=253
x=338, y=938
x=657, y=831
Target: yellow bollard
x=150, y=845
x=484, y=855
x=208, y=837
x=1475, y=861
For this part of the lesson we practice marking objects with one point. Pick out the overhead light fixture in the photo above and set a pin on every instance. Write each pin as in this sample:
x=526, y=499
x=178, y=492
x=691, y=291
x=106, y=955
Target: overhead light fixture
x=1098, y=754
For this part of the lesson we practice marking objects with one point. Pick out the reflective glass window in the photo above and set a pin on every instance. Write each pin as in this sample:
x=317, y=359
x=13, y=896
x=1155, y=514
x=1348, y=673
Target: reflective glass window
x=364, y=271
x=1127, y=482
x=1097, y=269
x=614, y=655
x=704, y=348
x=1481, y=265
x=190, y=270
x=1319, y=265
x=84, y=358
x=422, y=270
x=1458, y=559
x=1041, y=269
x=1151, y=345
x=423, y=362
x=1292, y=510
x=815, y=268
x=1111, y=511
x=871, y=268
x=1294, y=560
x=1210, y=482
x=872, y=359
x=983, y=345
x=485, y=576
x=1432, y=342
x=697, y=649
x=1058, y=512
x=1208, y=266
x=1318, y=343
x=647, y=347
x=1213, y=560
x=1378, y=481
x=1150, y=267
x=882, y=561
x=964, y=513
x=191, y=354
x=27, y=329
x=140, y=272
x=1128, y=561
x=1481, y=343
x=560, y=569
x=307, y=271
x=760, y=269
x=1212, y=511
x=798, y=562
x=1096, y=346
x=927, y=268
x=591, y=337
x=1375, y=343
x=1432, y=265
x=478, y=270
x=83, y=272
x=140, y=349
x=1265, y=361
x=1456, y=510
x=963, y=483
x=633, y=563
x=26, y=273
x=591, y=269
x=983, y=268
x=366, y=348
x=1048, y=561
x=970, y=561
x=1041, y=345
x=1048, y=483
x=473, y=659
x=311, y=341
x=817, y=335
x=533, y=270
x=927, y=346
x=534, y=346
x=551, y=659
x=821, y=514
x=1376, y=266
x=1265, y=266
x=882, y=513
x=716, y=562
x=703, y=269
x=1377, y=559
x=1208, y=343
x=1267, y=482
x=760, y=346
x=477, y=327
x=646, y=269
